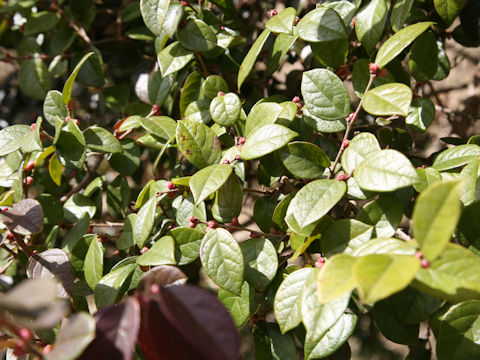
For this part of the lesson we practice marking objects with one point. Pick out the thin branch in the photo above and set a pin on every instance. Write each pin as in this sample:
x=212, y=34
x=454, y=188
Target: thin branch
x=85, y=181
x=402, y=235
x=202, y=64
x=22, y=244
x=350, y=124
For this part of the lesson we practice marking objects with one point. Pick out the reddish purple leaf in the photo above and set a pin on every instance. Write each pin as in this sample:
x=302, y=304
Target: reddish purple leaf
x=117, y=328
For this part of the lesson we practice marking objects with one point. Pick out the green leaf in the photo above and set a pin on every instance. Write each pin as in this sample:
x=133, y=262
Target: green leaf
x=276, y=56
x=33, y=78
x=118, y=197
x=379, y=276
x=261, y=114
x=111, y=287
x=453, y=276
x=197, y=36
x=53, y=106
x=385, y=214
x=212, y=85
x=161, y=253
x=412, y=306
x=144, y=223
x=41, y=22
x=100, y=139
x=319, y=318
x=422, y=67
x=173, y=58
x=427, y=176
x=343, y=236
x=469, y=192
x=448, y=9
x=158, y=88
x=435, y=216
x=154, y=13
x=400, y=12
x=456, y=156
x=261, y=262
x=288, y=299
x=225, y=109
x=67, y=88
x=71, y=146
x=126, y=241
x=385, y=170
x=282, y=22
x=208, y=180
x=191, y=91
x=393, y=327
x=161, y=126
x=198, y=143
x=370, y=23
x=389, y=246
x=238, y=305
x=325, y=95
x=187, y=244
x=75, y=233
x=335, y=278
x=271, y=344
x=421, y=114
x=358, y=149
x=398, y=42
x=251, y=57
x=388, y=99
x=73, y=337
x=331, y=53
x=93, y=266
x=12, y=138
x=228, y=200
x=127, y=162
x=172, y=19
x=77, y=206
x=459, y=326
x=335, y=337
x=198, y=111
x=304, y=160
x=266, y=140
x=222, y=260
x=322, y=24
x=315, y=200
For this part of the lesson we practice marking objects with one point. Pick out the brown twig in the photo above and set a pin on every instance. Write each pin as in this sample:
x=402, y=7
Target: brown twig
x=202, y=64
x=84, y=182
x=350, y=123
x=22, y=244
x=10, y=326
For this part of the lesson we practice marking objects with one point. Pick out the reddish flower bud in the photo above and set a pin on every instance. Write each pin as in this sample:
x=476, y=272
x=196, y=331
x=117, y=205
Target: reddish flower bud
x=116, y=252
x=238, y=157
x=320, y=262
x=184, y=3
x=296, y=99
x=47, y=349
x=383, y=73
x=90, y=229
x=170, y=185
x=234, y=222
x=297, y=20
x=354, y=20
x=193, y=218
x=222, y=27
x=345, y=143
x=5, y=209
x=34, y=252
x=20, y=348
x=424, y=263
x=254, y=235
x=225, y=161
x=342, y=177
x=10, y=236
x=373, y=68
x=156, y=110
x=67, y=118
x=30, y=165
x=352, y=117
x=24, y=334
x=272, y=13
x=419, y=255
x=33, y=126
x=212, y=224
x=76, y=121
x=28, y=181
x=155, y=289
x=192, y=225
x=101, y=240
x=241, y=141
x=220, y=93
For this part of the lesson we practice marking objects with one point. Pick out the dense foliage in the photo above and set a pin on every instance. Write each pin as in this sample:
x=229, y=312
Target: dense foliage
x=160, y=121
